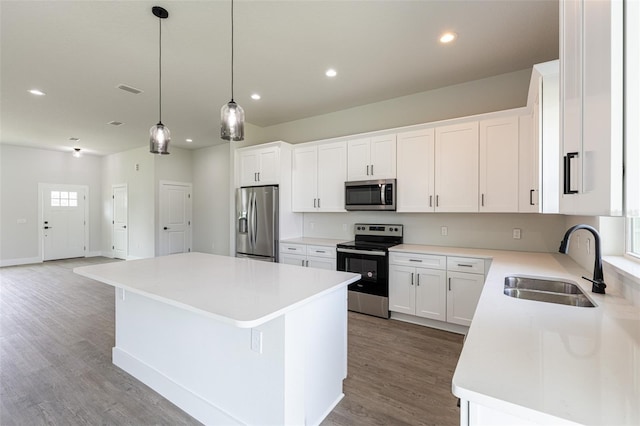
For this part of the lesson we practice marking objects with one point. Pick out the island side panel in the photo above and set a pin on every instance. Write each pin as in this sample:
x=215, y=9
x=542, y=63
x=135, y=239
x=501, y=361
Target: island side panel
x=316, y=353
x=204, y=366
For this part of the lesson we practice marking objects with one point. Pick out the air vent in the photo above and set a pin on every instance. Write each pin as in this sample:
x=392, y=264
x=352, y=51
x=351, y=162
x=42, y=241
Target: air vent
x=74, y=139
x=129, y=89
x=116, y=123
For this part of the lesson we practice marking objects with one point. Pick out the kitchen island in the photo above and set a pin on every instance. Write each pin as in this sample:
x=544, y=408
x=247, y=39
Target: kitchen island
x=229, y=340
x=530, y=363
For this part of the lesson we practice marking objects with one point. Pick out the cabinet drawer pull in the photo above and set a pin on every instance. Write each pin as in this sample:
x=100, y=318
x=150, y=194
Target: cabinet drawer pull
x=291, y=248
x=320, y=251
x=466, y=265
x=415, y=260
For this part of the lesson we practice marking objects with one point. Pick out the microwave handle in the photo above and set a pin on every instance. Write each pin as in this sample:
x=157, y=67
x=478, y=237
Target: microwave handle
x=382, y=194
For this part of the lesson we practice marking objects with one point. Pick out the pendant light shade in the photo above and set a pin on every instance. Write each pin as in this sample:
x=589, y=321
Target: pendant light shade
x=232, y=114
x=232, y=119
x=159, y=135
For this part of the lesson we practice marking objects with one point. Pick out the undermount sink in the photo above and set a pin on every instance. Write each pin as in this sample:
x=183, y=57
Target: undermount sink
x=546, y=290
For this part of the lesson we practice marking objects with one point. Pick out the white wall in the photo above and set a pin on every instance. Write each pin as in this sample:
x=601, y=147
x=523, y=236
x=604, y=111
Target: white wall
x=211, y=195
x=541, y=233
x=21, y=169
x=496, y=93
x=121, y=168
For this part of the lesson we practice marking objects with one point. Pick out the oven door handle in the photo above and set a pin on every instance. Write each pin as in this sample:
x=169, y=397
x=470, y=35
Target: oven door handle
x=372, y=252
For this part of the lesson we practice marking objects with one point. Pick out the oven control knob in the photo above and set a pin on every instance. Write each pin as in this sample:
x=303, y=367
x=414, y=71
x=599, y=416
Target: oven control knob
x=369, y=274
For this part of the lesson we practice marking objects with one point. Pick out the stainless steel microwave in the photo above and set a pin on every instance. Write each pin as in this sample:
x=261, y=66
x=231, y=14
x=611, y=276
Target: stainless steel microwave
x=370, y=195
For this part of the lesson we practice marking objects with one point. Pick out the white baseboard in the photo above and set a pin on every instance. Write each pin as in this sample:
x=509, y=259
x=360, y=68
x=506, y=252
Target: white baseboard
x=23, y=261
x=196, y=406
x=441, y=325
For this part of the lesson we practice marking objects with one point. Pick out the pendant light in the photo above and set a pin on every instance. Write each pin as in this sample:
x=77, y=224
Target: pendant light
x=159, y=135
x=232, y=114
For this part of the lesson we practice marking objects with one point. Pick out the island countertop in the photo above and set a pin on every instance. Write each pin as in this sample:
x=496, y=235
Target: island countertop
x=238, y=291
x=545, y=363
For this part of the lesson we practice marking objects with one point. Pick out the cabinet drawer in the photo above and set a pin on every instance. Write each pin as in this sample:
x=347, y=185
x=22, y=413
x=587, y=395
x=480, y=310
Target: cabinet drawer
x=418, y=260
x=321, y=251
x=465, y=264
x=293, y=248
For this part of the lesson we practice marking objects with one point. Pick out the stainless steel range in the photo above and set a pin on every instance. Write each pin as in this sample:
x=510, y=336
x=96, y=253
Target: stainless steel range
x=368, y=255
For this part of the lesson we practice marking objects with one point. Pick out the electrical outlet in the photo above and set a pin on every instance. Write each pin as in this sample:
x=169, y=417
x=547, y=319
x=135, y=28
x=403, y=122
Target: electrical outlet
x=444, y=231
x=256, y=340
x=516, y=233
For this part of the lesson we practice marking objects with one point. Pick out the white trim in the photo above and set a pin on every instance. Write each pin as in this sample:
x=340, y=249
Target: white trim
x=113, y=188
x=22, y=261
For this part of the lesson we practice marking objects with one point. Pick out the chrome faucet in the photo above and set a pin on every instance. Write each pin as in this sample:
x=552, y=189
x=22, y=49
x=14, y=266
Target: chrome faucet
x=598, y=278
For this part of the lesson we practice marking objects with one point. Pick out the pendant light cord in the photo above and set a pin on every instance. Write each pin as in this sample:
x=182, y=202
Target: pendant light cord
x=160, y=70
x=231, y=50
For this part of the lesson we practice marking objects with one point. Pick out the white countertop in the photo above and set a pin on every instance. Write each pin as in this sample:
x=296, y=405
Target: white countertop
x=238, y=291
x=327, y=242
x=545, y=362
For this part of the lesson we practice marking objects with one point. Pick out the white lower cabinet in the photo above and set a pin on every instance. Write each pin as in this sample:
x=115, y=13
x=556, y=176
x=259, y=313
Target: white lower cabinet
x=442, y=288
x=311, y=256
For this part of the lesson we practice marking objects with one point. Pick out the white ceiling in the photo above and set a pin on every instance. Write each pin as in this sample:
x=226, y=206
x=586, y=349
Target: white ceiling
x=77, y=52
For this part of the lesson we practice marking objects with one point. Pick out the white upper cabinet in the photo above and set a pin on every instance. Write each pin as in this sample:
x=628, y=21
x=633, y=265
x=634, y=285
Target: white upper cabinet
x=371, y=158
x=259, y=166
x=499, y=140
x=416, y=191
x=319, y=173
x=456, y=168
x=591, y=96
x=540, y=143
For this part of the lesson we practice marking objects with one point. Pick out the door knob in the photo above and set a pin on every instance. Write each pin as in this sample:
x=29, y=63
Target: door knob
x=165, y=228
x=124, y=226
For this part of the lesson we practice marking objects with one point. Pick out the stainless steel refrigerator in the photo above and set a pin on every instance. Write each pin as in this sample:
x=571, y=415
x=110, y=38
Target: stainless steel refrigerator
x=257, y=222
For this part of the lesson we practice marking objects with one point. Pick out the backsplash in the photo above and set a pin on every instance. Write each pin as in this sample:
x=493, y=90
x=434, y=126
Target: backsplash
x=538, y=232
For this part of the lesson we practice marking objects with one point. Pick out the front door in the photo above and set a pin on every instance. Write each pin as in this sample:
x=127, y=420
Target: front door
x=120, y=232
x=175, y=218
x=63, y=221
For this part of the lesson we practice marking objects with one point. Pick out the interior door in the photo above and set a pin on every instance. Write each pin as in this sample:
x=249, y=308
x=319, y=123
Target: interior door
x=63, y=215
x=120, y=231
x=175, y=218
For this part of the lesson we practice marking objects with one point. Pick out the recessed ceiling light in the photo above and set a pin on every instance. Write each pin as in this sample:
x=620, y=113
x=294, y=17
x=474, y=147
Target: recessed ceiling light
x=189, y=140
x=255, y=96
x=448, y=37
x=36, y=92
x=331, y=72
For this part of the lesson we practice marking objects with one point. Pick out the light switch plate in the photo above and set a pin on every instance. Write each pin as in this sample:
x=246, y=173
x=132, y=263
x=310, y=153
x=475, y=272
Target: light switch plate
x=516, y=233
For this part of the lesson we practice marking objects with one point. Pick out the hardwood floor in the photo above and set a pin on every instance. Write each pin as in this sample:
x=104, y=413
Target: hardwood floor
x=57, y=331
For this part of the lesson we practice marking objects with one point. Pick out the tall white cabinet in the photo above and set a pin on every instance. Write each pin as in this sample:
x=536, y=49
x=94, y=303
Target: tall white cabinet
x=456, y=167
x=415, y=174
x=591, y=99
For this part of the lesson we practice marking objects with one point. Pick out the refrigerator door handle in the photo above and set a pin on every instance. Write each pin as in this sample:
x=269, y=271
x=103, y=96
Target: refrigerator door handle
x=250, y=219
x=255, y=220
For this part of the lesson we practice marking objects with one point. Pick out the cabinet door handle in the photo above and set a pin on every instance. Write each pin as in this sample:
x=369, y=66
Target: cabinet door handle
x=430, y=200
x=567, y=172
x=531, y=197
x=437, y=200
x=449, y=284
x=302, y=263
x=372, y=170
x=482, y=200
x=367, y=170
x=318, y=202
x=307, y=263
x=418, y=279
x=314, y=203
x=258, y=176
x=412, y=278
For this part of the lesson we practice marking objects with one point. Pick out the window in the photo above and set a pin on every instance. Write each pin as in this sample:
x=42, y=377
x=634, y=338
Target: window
x=64, y=199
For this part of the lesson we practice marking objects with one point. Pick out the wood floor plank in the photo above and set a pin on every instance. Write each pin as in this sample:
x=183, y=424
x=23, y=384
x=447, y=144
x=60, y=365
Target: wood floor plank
x=57, y=332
